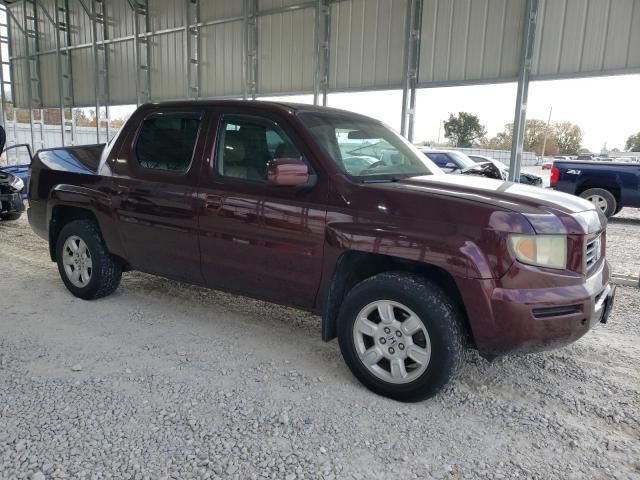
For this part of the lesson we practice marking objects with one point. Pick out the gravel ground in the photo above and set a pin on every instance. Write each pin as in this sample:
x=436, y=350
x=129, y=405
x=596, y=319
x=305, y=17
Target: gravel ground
x=162, y=380
x=623, y=242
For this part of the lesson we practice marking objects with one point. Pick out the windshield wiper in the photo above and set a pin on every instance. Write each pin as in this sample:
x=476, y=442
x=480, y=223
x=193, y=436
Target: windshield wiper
x=380, y=180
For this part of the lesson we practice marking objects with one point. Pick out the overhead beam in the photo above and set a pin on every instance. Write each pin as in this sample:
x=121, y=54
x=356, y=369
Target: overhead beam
x=524, y=72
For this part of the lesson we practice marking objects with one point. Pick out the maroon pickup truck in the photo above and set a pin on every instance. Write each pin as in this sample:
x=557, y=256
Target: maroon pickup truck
x=331, y=212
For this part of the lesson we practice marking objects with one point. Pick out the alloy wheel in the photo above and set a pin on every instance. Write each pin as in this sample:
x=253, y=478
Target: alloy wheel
x=391, y=341
x=599, y=202
x=76, y=259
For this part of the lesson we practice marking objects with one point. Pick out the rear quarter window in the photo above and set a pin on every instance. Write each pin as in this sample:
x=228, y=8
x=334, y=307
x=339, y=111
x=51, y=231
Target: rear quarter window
x=167, y=141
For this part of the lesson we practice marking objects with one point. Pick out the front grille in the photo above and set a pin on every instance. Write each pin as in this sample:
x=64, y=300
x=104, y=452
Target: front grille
x=592, y=253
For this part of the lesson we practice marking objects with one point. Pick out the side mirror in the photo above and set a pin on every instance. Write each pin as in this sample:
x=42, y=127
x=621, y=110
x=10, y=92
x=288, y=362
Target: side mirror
x=287, y=172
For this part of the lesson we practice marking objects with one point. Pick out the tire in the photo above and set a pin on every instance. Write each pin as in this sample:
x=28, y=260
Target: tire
x=439, y=334
x=618, y=210
x=602, y=199
x=103, y=272
x=10, y=217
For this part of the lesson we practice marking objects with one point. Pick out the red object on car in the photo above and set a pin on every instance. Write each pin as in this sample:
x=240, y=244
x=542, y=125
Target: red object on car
x=547, y=165
x=555, y=176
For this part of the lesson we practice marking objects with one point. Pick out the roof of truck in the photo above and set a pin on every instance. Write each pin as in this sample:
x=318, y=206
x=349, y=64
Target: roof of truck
x=261, y=104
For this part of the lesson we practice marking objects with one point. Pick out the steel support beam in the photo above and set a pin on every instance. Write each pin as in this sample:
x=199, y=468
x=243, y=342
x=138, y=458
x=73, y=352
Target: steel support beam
x=411, y=65
x=34, y=87
x=519, y=123
x=4, y=40
x=323, y=30
x=142, y=52
x=250, y=63
x=59, y=67
x=192, y=47
x=10, y=25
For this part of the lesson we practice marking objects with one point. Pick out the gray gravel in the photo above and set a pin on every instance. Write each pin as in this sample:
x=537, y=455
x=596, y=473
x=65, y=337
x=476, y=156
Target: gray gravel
x=162, y=380
x=623, y=242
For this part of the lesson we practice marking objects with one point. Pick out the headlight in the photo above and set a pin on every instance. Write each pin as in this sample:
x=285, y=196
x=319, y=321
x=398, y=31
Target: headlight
x=541, y=250
x=17, y=184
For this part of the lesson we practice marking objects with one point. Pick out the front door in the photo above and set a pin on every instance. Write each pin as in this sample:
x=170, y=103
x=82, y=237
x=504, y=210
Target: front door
x=156, y=212
x=256, y=239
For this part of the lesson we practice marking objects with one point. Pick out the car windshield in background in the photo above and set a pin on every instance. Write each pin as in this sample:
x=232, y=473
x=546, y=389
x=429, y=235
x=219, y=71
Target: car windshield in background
x=365, y=149
x=462, y=159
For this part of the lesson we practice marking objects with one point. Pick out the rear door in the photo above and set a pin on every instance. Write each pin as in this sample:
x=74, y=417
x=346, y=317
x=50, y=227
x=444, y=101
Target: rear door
x=256, y=239
x=155, y=181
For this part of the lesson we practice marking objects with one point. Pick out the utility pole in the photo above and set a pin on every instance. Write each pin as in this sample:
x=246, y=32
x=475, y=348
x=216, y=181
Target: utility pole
x=546, y=133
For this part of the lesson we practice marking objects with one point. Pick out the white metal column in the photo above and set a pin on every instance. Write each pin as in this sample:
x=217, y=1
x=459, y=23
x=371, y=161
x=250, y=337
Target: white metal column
x=411, y=65
x=323, y=28
x=142, y=51
x=34, y=89
x=250, y=63
x=519, y=123
x=192, y=47
x=63, y=19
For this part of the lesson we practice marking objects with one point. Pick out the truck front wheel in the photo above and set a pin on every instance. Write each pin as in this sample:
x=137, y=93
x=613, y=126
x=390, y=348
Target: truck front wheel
x=401, y=336
x=602, y=199
x=87, y=269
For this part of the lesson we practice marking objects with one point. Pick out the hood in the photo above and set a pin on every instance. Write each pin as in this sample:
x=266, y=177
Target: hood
x=548, y=211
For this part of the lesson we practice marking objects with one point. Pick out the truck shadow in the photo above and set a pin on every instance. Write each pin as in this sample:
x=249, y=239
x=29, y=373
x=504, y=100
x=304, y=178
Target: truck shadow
x=624, y=221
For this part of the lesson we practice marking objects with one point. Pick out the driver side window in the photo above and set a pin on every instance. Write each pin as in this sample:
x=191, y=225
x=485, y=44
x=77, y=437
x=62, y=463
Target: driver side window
x=246, y=144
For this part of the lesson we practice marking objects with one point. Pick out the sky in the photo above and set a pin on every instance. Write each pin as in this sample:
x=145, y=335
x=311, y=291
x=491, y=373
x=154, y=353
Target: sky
x=606, y=108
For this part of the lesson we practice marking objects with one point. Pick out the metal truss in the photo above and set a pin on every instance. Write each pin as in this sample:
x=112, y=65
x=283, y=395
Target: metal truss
x=5, y=85
x=34, y=87
x=142, y=50
x=192, y=44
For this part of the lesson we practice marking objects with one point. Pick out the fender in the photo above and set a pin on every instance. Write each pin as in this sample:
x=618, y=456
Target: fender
x=350, y=246
x=96, y=202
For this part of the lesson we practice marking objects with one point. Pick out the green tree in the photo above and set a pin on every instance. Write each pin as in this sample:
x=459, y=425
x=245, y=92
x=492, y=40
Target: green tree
x=464, y=130
x=533, y=138
x=568, y=137
x=633, y=143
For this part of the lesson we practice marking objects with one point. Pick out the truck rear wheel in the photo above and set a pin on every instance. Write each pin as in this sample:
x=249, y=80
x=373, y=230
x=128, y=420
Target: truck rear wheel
x=602, y=199
x=401, y=336
x=10, y=217
x=87, y=269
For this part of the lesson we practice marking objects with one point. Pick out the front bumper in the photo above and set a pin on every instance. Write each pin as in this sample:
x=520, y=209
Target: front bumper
x=507, y=320
x=11, y=203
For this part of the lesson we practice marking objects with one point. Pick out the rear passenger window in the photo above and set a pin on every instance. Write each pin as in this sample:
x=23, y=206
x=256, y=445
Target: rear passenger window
x=167, y=141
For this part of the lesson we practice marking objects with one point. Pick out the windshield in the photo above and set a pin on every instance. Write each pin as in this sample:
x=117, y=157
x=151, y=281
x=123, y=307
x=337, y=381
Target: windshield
x=365, y=149
x=462, y=159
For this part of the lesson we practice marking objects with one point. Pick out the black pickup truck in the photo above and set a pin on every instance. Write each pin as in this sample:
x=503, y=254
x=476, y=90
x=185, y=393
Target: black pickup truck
x=608, y=185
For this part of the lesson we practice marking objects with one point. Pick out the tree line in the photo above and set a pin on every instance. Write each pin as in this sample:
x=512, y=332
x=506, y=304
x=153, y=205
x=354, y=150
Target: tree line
x=562, y=138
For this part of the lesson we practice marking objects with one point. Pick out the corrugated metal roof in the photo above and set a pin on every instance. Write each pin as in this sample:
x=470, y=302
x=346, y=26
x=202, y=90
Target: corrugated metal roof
x=461, y=42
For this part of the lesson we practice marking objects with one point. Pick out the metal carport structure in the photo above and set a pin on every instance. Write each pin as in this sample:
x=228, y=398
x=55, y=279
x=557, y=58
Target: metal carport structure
x=66, y=54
